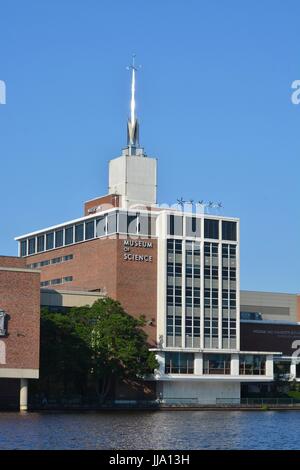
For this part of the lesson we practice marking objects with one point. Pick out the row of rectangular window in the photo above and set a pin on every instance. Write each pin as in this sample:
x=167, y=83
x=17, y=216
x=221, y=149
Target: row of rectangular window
x=57, y=281
x=214, y=364
x=135, y=224
x=46, y=262
x=193, y=228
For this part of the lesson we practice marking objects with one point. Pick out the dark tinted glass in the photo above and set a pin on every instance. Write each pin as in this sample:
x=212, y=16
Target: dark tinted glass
x=40, y=243
x=68, y=235
x=31, y=246
x=59, y=234
x=49, y=241
x=228, y=230
x=89, y=230
x=211, y=228
x=24, y=248
x=78, y=233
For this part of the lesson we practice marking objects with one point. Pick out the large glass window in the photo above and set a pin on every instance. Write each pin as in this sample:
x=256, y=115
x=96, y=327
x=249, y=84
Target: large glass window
x=101, y=227
x=179, y=363
x=89, y=230
x=193, y=227
x=132, y=223
x=175, y=225
x=112, y=223
x=229, y=230
x=40, y=243
x=146, y=225
x=211, y=228
x=216, y=364
x=252, y=364
x=78, y=233
x=59, y=238
x=23, y=247
x=69, y=235
x=31, y=246
x=49, y=241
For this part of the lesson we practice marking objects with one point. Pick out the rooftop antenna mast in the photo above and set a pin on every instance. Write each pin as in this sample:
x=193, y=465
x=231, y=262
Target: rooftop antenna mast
x=132, y=124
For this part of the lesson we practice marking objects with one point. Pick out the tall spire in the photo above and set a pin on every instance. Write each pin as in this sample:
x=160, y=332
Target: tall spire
x=132, y=124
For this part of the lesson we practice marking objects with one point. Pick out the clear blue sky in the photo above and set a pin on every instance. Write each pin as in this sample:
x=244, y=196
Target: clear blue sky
x=214, y=103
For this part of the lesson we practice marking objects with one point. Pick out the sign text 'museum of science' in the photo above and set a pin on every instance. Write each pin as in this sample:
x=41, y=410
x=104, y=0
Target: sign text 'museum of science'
x=127, y=256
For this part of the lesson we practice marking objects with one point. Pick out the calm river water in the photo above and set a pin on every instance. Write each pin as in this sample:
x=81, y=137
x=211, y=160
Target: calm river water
x=151, y=430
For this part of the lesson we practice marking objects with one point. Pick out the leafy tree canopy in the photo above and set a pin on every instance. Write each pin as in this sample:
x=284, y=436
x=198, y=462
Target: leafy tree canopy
x=101, y=342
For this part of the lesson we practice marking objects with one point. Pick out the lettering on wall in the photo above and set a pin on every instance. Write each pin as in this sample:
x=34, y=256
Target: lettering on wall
x=128, y=255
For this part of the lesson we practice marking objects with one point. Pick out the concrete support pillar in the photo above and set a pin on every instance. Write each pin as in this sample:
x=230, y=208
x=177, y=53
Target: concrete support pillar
x=23, y=394
x=160, y=356
x=235, y=364
x=269, y=366
x=198, y=365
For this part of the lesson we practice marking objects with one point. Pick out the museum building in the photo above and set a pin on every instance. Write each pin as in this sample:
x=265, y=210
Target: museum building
x=179, y=268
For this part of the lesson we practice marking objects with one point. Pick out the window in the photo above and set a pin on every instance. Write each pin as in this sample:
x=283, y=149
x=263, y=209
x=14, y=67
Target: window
x=3, y=323
x=147, y=225
x=67, y=257
x=89, y=230
x=112, y=223
x=54, y=282
x=216, y=364
x=78, y=233
x=132, y=224
x=68, y=279
x=23, y=247
x=45, y=283
x=101, y=227
x=252, y=364
x=193, y=227
x=69, y=235
x=45, y=262
x=49, y=241
x=228, y=230
x=40, y=243
x=31, y=246
x=59, y=238
x=175, y=225
x=211, y=228
x=179, y=363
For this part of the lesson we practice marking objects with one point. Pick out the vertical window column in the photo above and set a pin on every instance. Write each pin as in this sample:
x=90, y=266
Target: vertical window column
x=174, y=292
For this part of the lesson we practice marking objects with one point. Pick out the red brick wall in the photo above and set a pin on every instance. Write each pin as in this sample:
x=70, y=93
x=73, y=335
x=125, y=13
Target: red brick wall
x=12, y=262
x=137, y=285
x=20, y=299
x=93, y=265
x=100, y=264
x=107, y=202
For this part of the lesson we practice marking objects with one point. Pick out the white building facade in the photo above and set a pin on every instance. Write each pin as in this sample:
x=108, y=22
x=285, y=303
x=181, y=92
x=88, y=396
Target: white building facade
x=198, y=311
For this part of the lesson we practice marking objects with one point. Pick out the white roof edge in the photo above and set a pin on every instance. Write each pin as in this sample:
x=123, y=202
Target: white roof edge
x=266, y=292
x=97, y=214
x=68, y=222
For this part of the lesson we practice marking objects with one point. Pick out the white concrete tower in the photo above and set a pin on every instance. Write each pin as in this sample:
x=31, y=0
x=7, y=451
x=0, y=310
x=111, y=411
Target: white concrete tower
x=133, y=175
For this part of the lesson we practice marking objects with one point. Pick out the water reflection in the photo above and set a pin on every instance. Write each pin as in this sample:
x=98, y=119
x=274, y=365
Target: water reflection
x=151, y=430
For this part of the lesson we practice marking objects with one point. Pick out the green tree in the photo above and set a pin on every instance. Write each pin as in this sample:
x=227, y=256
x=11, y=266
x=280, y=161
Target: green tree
x=99, y=344
x=64, y=357
x=117, y=343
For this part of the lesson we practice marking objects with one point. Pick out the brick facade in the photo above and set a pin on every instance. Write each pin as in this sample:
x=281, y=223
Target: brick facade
x=101, y=203
x=100, y=265
x=20, y=299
